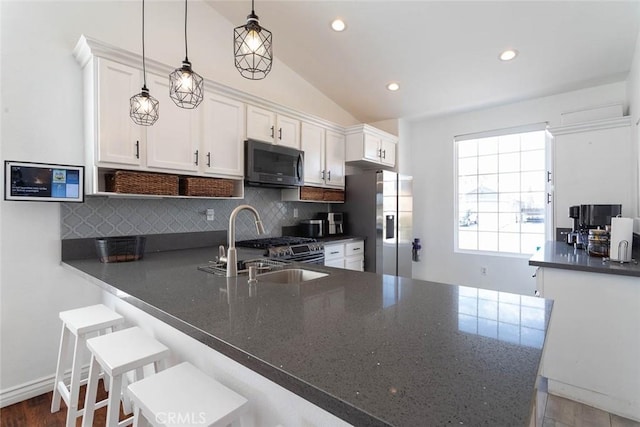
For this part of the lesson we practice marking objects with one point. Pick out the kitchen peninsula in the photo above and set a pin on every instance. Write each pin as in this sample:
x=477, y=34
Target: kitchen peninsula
x=592, y=349
x=369, y=349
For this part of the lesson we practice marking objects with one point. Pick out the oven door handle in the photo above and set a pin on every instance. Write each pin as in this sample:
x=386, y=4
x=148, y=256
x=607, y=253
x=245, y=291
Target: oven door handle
x=315, y=259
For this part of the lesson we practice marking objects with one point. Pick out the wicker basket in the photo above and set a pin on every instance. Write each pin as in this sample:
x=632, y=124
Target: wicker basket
x=120, y=249
x=142, y=183
x=333, y=195
x=205, y=187
x=311, y=193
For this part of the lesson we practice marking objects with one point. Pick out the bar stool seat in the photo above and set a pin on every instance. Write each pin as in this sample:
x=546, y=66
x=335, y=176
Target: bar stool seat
x=183, y=395
x=117, y=354
x=78, y=324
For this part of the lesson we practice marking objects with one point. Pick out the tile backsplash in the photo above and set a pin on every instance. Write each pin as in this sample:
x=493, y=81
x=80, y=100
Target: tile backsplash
x=104, y=216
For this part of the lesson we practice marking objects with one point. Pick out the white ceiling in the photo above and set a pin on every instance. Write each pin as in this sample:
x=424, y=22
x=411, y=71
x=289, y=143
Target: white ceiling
x=444, y=54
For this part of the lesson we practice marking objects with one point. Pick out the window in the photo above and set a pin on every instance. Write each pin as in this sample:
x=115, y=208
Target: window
x=501, y=191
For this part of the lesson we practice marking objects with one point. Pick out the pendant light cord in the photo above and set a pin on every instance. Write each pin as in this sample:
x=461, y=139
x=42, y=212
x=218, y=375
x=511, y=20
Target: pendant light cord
x=186, y=56
x=252, y=11
x=144, y=68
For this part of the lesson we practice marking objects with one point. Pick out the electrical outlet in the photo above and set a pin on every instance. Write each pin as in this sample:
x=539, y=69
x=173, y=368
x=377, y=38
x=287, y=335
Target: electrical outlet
x=295, y=212
x=211, y=215
x=483, y=271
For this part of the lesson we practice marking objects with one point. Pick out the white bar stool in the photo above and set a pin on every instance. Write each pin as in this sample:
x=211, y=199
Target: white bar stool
x=118, y=353
x=183, y=395
x=78, y=324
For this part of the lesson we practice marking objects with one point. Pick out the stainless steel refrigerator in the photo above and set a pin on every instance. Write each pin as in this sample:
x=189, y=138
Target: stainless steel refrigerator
x=379, y=207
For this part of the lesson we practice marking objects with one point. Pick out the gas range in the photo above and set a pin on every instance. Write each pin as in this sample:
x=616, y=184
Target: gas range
x=299, y=249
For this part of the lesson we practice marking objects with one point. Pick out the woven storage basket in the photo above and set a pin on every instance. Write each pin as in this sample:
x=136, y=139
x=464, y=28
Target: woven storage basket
x=334, y=195
x=142, y=183
x=311, y=193
x=205, y=187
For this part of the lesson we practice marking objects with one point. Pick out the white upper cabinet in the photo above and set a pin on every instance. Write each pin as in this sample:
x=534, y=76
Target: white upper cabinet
x=117, y=139
x=261, y=124
x=288, y=132
x=388, y=153
x=367, y=145
x=334, y=159
x=173, y=141
x=312, y=143
x=323, y=156
x=223, y=136
x=265, y=125
x=601, y=172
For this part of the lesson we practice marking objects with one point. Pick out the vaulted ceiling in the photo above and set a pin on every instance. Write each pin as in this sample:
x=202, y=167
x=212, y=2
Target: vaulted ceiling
x=444, y=54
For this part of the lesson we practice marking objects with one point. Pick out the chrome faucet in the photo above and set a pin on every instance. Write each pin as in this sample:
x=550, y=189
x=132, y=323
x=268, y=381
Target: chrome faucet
x=232, y=257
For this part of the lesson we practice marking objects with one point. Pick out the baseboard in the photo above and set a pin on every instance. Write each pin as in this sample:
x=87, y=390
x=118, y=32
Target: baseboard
x=34, y=388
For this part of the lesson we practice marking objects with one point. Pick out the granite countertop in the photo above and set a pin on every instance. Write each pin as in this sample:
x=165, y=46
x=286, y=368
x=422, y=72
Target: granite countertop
x=560, y=255
x=371, y=349
x=338, y=239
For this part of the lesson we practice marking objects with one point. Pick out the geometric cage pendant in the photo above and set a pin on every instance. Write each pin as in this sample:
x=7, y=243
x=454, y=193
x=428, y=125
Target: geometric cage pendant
x=253, y=49
x=187, y=87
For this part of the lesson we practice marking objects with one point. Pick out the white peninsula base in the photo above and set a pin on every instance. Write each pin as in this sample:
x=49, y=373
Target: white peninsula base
x=592, y=351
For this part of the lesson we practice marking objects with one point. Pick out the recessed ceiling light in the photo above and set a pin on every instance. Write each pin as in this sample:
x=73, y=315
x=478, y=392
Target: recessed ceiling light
x=393, y=86
x=338, y=25
x=508, y=55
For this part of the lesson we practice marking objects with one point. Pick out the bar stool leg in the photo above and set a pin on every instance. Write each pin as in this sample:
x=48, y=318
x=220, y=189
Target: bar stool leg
x=74, y=390
x=92, y=391
x=113, y=407
x=63, y=352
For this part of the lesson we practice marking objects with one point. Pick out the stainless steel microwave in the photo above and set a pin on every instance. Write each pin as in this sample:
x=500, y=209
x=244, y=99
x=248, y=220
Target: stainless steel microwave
x=270, y=165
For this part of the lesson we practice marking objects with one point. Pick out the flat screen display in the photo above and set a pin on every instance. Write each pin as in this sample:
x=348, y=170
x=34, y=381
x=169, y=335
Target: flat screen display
x=42, y=182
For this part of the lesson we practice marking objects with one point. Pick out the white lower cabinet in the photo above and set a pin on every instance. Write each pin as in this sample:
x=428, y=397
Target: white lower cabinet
x=592, y=347
x=334, y=255
x=345, y=255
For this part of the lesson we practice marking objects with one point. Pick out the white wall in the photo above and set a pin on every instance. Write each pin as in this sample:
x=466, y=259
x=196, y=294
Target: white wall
x=42, y=121
x=426, y=152
x=633, y=93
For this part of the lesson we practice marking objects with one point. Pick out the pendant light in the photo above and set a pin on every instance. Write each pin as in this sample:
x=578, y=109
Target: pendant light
x=187, y=87
x=253, y=48
x=144, y=107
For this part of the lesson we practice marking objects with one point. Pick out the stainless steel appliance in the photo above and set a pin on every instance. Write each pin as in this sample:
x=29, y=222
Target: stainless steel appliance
x=312, y=228
x=270, y=165
x=589, y=217
x=286, y=248
x=379, y=207
x=334, y=220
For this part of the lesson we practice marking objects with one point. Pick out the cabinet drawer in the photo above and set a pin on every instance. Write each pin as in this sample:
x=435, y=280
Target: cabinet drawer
x=354, y=248
x=334, y=251
x=336, y=263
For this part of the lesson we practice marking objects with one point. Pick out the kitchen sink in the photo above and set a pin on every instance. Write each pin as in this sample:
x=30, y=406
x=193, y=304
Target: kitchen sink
x=262, y=264
x=291, y=275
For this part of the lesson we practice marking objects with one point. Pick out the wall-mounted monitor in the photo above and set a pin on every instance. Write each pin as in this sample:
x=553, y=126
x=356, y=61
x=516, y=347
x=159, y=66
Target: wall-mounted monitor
x=42, y=182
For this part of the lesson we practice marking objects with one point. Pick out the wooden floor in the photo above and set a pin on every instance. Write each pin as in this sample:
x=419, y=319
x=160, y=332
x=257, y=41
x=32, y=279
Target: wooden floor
x=36, y=412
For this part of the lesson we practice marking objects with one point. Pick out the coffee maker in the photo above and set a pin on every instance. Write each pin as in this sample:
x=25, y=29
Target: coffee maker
x=335, y=222
x=589, y=217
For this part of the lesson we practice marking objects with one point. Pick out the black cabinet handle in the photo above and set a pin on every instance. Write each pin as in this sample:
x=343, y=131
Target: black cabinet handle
x=196, y=154
x=280, y=133
x=323, y=175
x=272, y=131
x=548, y=198
x=548, y=176
x=137, y=149
x=329, y=176
x=209, y=159
x=384, y=154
